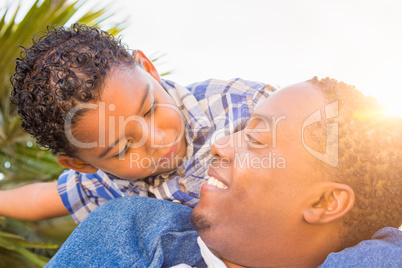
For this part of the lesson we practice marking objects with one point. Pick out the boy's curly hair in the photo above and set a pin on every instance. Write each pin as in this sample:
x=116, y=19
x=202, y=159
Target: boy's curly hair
x=369, y=160
x=63, y=68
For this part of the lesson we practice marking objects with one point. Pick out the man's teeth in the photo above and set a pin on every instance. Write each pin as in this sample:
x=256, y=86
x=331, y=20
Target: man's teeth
x=214, y=182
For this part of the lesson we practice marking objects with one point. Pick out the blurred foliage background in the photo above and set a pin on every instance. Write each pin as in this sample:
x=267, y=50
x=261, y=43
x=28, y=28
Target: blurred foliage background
x=31, y=244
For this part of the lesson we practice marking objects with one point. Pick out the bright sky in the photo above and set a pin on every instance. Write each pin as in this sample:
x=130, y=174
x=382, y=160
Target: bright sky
x=278, y=42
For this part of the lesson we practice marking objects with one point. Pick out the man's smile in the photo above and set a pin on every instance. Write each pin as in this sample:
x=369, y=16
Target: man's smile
x=214, y=183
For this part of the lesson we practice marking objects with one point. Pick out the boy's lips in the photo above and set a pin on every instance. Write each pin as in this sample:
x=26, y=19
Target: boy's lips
x=172, y=152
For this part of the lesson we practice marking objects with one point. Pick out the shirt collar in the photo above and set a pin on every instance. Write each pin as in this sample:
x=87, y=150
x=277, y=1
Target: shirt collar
x=210, y=259
x=196, y=121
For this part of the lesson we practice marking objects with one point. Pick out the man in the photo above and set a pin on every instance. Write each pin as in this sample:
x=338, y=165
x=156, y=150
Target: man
x=316, y=170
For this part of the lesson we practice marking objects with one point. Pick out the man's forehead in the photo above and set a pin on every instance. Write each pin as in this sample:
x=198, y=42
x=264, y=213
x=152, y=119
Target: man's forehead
x=292, y=100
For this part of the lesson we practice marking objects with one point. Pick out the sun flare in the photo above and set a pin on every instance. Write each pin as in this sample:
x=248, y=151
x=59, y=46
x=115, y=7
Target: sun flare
x=393, y=106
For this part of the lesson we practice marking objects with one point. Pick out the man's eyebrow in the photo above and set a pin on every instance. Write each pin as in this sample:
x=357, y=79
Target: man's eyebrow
x=260, y=117
x=110, y=147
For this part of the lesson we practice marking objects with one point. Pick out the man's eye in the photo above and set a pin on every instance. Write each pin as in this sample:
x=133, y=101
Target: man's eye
x=250, y=139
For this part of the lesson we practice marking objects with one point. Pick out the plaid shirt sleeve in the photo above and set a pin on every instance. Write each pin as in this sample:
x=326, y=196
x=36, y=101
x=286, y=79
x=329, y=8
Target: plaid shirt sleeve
x=81, y=193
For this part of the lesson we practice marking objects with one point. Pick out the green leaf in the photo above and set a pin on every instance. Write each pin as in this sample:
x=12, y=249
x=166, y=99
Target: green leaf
x=6, y=244
x=36, y=259
x=8, y=235
x=26, y=244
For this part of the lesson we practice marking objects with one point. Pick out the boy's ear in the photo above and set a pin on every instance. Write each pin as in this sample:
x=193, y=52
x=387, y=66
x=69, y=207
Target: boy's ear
x=148, y=66
x=332, y=201
x=76, y=164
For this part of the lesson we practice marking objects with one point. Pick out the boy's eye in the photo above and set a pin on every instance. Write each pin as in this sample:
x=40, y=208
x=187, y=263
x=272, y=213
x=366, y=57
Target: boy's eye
x=124, y=151
x=151, y=110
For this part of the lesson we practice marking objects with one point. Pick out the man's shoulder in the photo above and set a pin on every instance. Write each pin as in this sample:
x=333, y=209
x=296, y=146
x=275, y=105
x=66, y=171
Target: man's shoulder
x=383, y=250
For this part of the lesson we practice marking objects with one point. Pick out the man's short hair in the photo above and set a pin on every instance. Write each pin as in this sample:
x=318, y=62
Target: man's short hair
x=369, y=160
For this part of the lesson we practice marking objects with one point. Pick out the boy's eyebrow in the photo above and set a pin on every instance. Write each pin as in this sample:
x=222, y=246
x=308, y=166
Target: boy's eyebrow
x=110, y=147
x=144, y=97
x=101, y=155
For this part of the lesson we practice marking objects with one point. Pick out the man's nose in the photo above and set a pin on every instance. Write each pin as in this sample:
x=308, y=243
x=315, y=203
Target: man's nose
x=223, y=149
x=155, y=141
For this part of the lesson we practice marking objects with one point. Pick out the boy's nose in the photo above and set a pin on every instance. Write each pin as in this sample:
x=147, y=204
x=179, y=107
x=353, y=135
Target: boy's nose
x=155, y=140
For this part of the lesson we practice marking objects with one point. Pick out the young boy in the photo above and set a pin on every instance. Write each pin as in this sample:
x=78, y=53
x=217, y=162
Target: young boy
x=118, y=127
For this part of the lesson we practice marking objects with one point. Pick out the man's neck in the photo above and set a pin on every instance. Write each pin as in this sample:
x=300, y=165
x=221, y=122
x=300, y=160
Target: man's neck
x=232, y=265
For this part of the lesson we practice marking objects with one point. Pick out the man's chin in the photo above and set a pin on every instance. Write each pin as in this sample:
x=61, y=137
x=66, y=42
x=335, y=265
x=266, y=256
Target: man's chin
x=200, y=222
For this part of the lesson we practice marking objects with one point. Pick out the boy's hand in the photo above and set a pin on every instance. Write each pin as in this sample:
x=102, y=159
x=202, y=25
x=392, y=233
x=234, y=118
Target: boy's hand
x=34, y=202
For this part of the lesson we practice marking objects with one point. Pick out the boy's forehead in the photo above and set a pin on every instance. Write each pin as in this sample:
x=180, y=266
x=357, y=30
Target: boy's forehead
x=124, y=79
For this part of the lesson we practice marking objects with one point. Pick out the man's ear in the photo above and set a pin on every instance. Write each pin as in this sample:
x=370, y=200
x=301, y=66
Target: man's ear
x=148, y=66
x=332, y=201
x=76, y=164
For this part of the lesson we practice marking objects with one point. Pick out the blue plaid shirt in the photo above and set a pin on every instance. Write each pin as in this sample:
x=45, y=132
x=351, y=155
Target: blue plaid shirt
x=213, y=108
